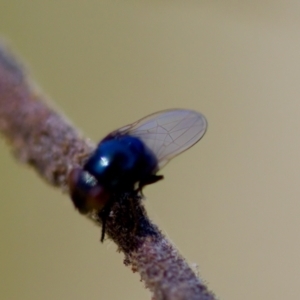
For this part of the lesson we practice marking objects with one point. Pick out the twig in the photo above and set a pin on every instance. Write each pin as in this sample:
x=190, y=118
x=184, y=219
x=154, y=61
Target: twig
x=44, y=139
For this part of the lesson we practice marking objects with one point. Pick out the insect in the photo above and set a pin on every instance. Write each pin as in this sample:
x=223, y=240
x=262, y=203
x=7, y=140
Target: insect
x=129, y=158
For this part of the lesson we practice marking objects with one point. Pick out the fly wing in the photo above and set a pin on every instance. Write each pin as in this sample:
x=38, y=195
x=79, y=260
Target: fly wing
x=168, y=133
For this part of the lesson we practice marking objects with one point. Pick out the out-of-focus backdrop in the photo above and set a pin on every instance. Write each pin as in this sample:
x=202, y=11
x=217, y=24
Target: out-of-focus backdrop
x=231, y=204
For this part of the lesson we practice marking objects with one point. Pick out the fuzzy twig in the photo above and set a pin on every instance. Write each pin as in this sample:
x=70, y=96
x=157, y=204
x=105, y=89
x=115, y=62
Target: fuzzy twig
x=44, y=139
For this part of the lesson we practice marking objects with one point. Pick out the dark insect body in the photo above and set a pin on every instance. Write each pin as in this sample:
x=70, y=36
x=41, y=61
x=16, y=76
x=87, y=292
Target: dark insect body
x=129, y=158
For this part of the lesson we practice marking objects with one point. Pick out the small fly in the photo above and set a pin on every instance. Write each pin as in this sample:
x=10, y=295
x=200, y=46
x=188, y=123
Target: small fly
x=129, y=158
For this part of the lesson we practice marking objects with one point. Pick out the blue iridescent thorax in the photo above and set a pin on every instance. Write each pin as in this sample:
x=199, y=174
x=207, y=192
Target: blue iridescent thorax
x=120, y=162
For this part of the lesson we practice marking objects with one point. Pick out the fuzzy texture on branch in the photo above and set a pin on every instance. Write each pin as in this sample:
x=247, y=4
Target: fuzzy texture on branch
x=46, y=140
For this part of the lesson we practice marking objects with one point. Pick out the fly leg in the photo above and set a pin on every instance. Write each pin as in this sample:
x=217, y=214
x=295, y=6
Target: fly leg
x=149, y=180
x=104, y=214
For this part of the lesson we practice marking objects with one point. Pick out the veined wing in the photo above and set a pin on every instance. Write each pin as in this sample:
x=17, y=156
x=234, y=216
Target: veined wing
x=168, y=133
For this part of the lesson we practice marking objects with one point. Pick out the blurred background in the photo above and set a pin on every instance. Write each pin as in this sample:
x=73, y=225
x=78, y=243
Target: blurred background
x=230, y=204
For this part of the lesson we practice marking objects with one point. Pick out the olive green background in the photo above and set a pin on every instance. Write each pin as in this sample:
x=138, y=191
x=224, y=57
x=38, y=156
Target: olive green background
x=231, y=204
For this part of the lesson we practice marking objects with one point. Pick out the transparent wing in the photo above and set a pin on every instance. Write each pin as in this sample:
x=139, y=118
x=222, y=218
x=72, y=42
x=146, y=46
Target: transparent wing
x=168, y=133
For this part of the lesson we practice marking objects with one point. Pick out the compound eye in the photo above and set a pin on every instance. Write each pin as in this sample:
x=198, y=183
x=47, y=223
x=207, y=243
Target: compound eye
x=85, y=192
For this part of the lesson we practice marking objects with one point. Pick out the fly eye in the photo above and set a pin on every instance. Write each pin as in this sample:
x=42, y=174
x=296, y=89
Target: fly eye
x=88, y=179
x=85, y=191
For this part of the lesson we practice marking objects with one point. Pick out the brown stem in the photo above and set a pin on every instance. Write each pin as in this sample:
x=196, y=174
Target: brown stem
x=44, y=139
